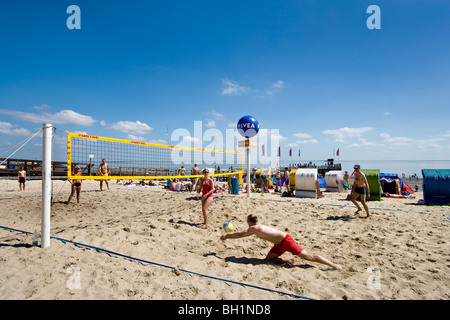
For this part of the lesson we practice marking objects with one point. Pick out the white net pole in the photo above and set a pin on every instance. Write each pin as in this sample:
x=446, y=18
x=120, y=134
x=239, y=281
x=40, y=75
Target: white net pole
x=248, y=169
x=46, y=184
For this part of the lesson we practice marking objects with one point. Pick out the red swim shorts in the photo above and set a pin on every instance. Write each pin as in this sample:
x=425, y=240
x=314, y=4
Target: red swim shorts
x=288, y=244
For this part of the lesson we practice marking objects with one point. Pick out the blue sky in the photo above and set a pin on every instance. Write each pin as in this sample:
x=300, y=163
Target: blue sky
x=310, y=71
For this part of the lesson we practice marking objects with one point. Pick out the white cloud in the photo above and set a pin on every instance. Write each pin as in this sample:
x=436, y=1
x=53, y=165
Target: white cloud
x=268, y=134
x=42, y=107
x=131, y=127
x=215, y=115
x=343, y=133
x=396, y=140
x=9, y=128
x=60, y=117
x=279, y=84
x=447, y=134
x=135, y=138
x=302, y=135
x=308, y=141
x=232, y=88
x=419, y=144
x=191, y=139
x=210, y=123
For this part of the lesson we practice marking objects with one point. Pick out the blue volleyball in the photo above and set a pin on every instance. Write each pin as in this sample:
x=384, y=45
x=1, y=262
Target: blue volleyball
x=248, y=127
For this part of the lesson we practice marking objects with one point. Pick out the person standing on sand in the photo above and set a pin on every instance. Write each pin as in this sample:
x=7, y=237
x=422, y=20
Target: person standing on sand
x=76, y=185
x=282, y=242
x=206, y=186
x=346, y=177
x=103, y=169
x=360, y=188
x=195, y=172
x=22, y=177
x=287, y=177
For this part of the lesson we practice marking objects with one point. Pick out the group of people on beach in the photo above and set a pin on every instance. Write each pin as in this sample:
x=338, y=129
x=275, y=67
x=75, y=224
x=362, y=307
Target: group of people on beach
x=103, y=171
x=282, y=241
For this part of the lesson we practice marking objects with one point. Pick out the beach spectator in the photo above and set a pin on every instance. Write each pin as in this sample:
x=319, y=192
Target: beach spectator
x=252, y=187
x=230, y=177
x=104, y=171
x=22, y=178
x=195, y=172
x=173, y=183
x=182, y=172
x=206, y=186
x=346, y=177
x=278, y=176
x=282, y=242
x=76, y=185
x=319, y=193
x=265, y=183
x=179, y=186
x=188, y=185
x=360, y=188
x=287, y=180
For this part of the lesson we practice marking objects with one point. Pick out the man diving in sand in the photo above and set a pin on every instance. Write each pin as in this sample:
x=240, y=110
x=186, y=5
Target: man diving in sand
x=282, y=242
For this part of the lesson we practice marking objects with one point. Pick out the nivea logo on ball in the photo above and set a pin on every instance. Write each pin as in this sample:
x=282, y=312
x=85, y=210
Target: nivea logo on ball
x=248, y=126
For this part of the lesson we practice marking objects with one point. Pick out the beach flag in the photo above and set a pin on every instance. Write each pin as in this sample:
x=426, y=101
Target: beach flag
x=290, y=152
x=337, y=152
x=262, y=150
x=299, y=153
x=279, y=152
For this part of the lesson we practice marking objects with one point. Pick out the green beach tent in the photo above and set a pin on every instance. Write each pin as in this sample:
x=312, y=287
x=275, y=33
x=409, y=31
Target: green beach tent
x=373, y=178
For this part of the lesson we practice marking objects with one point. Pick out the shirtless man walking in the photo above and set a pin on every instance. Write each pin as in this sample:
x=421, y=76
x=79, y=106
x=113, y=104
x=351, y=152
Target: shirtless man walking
x=103, y=169
x=360, y=188
x=22, y=177
x=195, y=172
x=282, y=242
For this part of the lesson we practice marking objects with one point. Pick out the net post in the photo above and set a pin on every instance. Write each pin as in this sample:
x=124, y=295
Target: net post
x=248, y=168
x=46, y=184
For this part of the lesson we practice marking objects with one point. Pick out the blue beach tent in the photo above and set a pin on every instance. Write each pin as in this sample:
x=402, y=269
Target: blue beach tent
x=436, y=185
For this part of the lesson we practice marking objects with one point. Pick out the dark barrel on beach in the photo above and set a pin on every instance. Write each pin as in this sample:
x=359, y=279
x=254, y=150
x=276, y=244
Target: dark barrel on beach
x=436, y=185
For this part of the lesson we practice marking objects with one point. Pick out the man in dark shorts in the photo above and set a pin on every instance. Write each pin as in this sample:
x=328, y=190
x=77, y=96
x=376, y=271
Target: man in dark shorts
x=22, y=176
x=360, y=189
x=282, y=242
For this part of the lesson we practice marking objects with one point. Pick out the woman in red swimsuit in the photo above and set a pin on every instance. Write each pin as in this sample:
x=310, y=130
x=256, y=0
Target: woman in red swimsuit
x=207, y=188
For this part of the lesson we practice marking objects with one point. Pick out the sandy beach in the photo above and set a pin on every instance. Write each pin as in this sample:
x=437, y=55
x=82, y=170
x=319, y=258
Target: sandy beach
x=403, y=247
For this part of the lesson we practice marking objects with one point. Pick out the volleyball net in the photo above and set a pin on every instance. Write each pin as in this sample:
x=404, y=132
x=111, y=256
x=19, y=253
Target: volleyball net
x=128, y=159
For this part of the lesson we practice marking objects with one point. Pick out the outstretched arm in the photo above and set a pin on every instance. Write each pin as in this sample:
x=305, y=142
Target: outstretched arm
x=237, y=235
